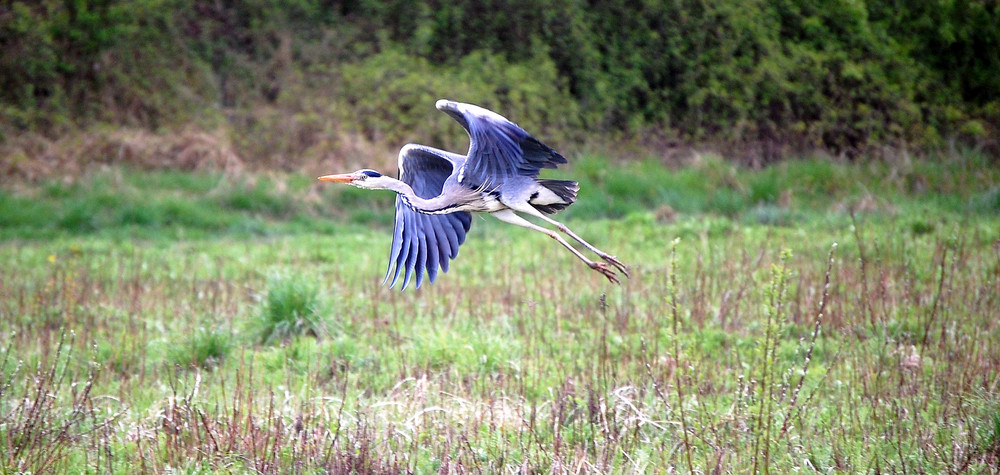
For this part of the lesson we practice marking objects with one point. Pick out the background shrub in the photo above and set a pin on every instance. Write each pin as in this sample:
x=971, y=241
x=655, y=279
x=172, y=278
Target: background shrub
x=768, y=76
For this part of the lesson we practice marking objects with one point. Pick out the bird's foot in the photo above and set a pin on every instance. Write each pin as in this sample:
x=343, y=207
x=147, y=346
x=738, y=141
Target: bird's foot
x=615, y=262
x=607, y=271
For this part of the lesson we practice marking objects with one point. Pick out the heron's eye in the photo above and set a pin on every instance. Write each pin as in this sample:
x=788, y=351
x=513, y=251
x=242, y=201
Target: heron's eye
x=371, y=173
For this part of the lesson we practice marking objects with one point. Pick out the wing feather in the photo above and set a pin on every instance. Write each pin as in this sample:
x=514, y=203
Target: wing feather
x=498, y=148
x=404, y=253
x=397, y=247
x=424, y=243
x=431, y=245
x=411, y=261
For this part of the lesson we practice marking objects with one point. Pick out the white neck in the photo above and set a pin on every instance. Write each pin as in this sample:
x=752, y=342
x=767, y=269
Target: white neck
x=430, y=206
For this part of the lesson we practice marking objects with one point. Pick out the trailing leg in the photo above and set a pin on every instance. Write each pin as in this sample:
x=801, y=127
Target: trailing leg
x=508, y=216
x=562, y=227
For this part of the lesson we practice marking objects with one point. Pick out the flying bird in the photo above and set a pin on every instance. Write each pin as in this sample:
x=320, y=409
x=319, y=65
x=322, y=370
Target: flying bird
x=437, y=192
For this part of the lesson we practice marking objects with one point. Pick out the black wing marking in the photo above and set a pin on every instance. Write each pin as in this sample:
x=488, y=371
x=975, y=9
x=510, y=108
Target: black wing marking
x=424, y=242
x=498, y=147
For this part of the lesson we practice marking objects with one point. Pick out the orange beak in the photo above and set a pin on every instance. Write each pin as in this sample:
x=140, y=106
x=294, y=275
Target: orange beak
x=345, y=178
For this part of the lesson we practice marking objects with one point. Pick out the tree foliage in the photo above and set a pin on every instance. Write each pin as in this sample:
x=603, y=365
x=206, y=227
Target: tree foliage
x=774, y=75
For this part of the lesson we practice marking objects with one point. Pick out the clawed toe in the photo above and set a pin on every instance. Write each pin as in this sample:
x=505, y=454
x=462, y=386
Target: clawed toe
x=615, y=262
x=607, y=271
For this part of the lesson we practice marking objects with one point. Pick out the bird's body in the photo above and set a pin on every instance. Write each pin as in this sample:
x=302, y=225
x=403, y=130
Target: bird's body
x=453, y=197
x=438, y=190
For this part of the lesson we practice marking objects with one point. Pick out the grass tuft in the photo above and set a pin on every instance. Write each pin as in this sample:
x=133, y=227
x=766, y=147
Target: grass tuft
x=203, y=349
x=291, y=308
x=989, y=433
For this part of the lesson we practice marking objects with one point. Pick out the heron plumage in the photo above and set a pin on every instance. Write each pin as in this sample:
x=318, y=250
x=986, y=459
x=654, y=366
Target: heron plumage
x=498, y=148
x=421, y=240
x=554, y=195
x=438, y=190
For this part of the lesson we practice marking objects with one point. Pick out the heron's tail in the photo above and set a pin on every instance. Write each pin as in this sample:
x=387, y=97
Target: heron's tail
x=554, y=195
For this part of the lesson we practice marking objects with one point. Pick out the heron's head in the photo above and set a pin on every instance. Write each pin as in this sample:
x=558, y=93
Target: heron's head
x=364, y=178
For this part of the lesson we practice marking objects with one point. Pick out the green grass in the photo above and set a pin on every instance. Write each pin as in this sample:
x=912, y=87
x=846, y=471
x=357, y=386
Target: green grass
x=203, y=349
x=250, y=337
x=292, y=307
x=166, y=204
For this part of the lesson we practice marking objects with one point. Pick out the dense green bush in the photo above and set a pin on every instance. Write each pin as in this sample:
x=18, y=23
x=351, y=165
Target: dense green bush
x=774, y=73
x=406, y=87
x=768, y=75
x=105, y=60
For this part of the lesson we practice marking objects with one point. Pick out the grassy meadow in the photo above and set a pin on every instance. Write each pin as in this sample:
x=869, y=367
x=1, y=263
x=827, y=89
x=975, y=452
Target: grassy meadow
x=811, y=316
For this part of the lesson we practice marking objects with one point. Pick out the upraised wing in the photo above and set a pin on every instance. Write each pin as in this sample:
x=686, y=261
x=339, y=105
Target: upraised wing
x=498, y=148
x=425, y=242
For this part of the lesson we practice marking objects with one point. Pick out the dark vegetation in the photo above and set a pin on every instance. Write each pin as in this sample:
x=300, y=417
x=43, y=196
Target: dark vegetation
x=278, y=82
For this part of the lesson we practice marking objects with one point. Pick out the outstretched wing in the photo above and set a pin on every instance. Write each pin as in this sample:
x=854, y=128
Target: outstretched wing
x=425, y=242
x=498, y=148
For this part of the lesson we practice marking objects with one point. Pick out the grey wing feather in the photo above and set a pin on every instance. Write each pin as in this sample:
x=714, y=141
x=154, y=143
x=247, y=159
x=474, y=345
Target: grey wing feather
x=498, y=147
x=424, y=242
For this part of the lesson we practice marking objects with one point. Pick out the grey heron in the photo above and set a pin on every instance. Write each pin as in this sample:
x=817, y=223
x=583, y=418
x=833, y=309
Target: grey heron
x=438, y=190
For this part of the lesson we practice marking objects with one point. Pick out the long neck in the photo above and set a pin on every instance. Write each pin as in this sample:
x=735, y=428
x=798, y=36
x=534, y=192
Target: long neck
x=431, y=206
